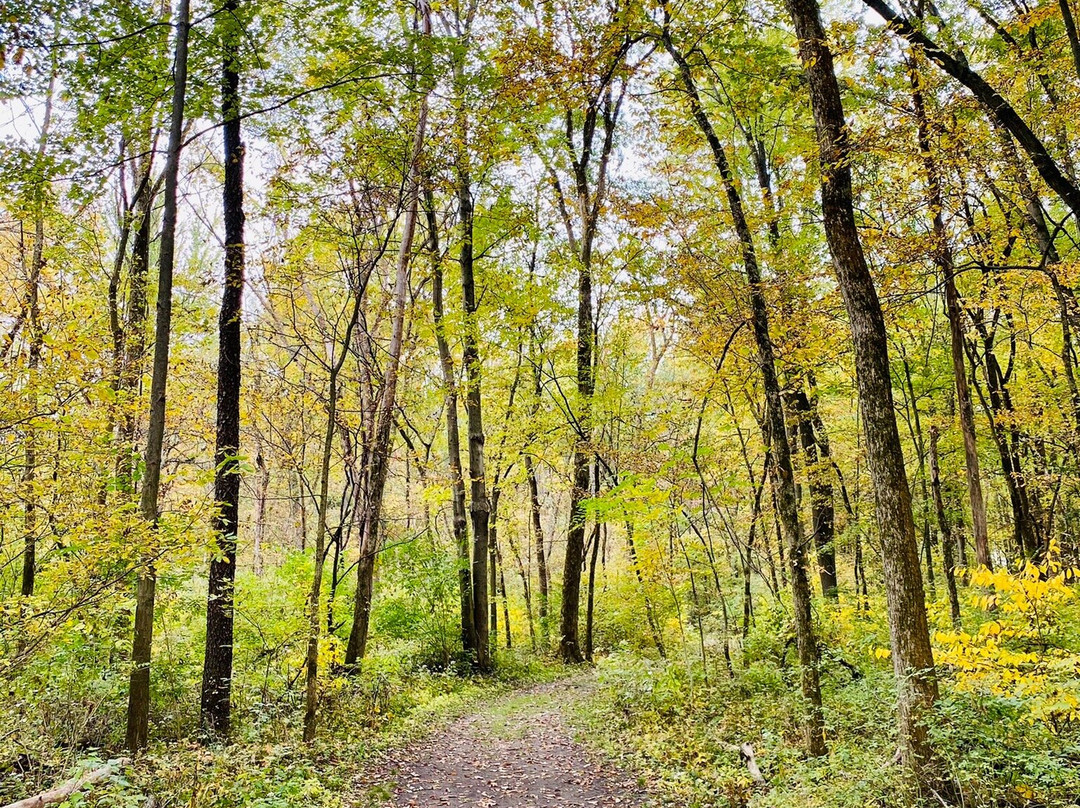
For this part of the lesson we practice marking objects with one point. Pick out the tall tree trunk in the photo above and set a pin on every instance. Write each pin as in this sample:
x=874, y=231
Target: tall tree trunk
x=384, y=416
x=943, y=257
x=216, y=699
x=537, y=530
x=35, y=338
x=603, y=109
x=1070, y=31
x=536, y=522
x=459, y=524
x=594, y=547
x=781, y=470
x=913, y=658
x=262, y=490
x=479, y=504
x=569, y=646
x=134, y=336
x=138, y=713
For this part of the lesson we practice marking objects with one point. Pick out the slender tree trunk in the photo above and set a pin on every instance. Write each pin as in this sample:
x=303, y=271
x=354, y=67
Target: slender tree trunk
x=594, y=545
x=822, y=507
x=314, y=610
x=384, y=417
x=913, y=658
x=134, y=337
x=946, y=530
x=505, y=597
x=459, y=524
x=218, y=661
x=536, y=522
x=1070, y=31
x=943, y=257
x=138, y=713
x=262, y=491
x=604, y=109
x=781, y=470
x=479, y=504
x=36, y=343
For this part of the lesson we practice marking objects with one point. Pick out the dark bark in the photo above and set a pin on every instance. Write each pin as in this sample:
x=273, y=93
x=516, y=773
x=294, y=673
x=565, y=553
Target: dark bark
x=134, y=329
x=216, y=699
x=138, y=712
x=262, y=476
x=602, y=109
x=314, y=611
x=459, y=521
x=35, y=338
x=947, y=549
x=1070, y=31
x=1005, y=431
x=539, y=548
x=912, y=655
x=594, y=554
x=956, y=65
x=479, y=504
x=822, y=505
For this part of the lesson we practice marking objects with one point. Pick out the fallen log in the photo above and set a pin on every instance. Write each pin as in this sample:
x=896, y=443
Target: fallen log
x=65, y=790
x=746, y=752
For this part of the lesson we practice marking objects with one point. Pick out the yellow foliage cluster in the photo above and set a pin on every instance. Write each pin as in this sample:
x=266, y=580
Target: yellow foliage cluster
x=1013, y=654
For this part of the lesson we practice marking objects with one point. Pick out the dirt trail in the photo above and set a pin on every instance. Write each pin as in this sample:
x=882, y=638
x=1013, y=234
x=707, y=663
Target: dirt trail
x=518, y=752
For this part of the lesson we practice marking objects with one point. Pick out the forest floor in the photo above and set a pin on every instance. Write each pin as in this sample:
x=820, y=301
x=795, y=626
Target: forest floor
x=517, y=751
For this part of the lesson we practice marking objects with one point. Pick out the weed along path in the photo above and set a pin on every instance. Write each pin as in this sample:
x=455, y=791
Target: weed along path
x=516, y=752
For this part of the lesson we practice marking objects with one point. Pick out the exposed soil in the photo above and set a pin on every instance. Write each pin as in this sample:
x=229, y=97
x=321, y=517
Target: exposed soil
x=517, y=752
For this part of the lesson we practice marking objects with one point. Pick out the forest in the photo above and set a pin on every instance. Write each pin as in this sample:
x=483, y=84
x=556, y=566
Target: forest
x=539, y=403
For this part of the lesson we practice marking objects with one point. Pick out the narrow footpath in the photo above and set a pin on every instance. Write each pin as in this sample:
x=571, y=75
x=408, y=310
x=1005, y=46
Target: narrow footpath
x=517, y=752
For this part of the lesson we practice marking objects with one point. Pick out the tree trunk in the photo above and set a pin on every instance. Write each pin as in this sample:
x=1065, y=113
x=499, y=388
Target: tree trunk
x=263, y=489
x=36, y=343
x=134, y=336
x=216, y=699
x=947, y=549
x=781, y=470
x=943, y=257
x=138, y=713
x=479, y=505
x=1070, y=30
x=460, y=525
x=594, y=545
x=538, y=527
x=822, y=506
x=384, y=416
x=603, y=109
x=913, y=658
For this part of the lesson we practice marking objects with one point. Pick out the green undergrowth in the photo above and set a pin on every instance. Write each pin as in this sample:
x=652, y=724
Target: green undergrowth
x=266, y=765
x=681, y=724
